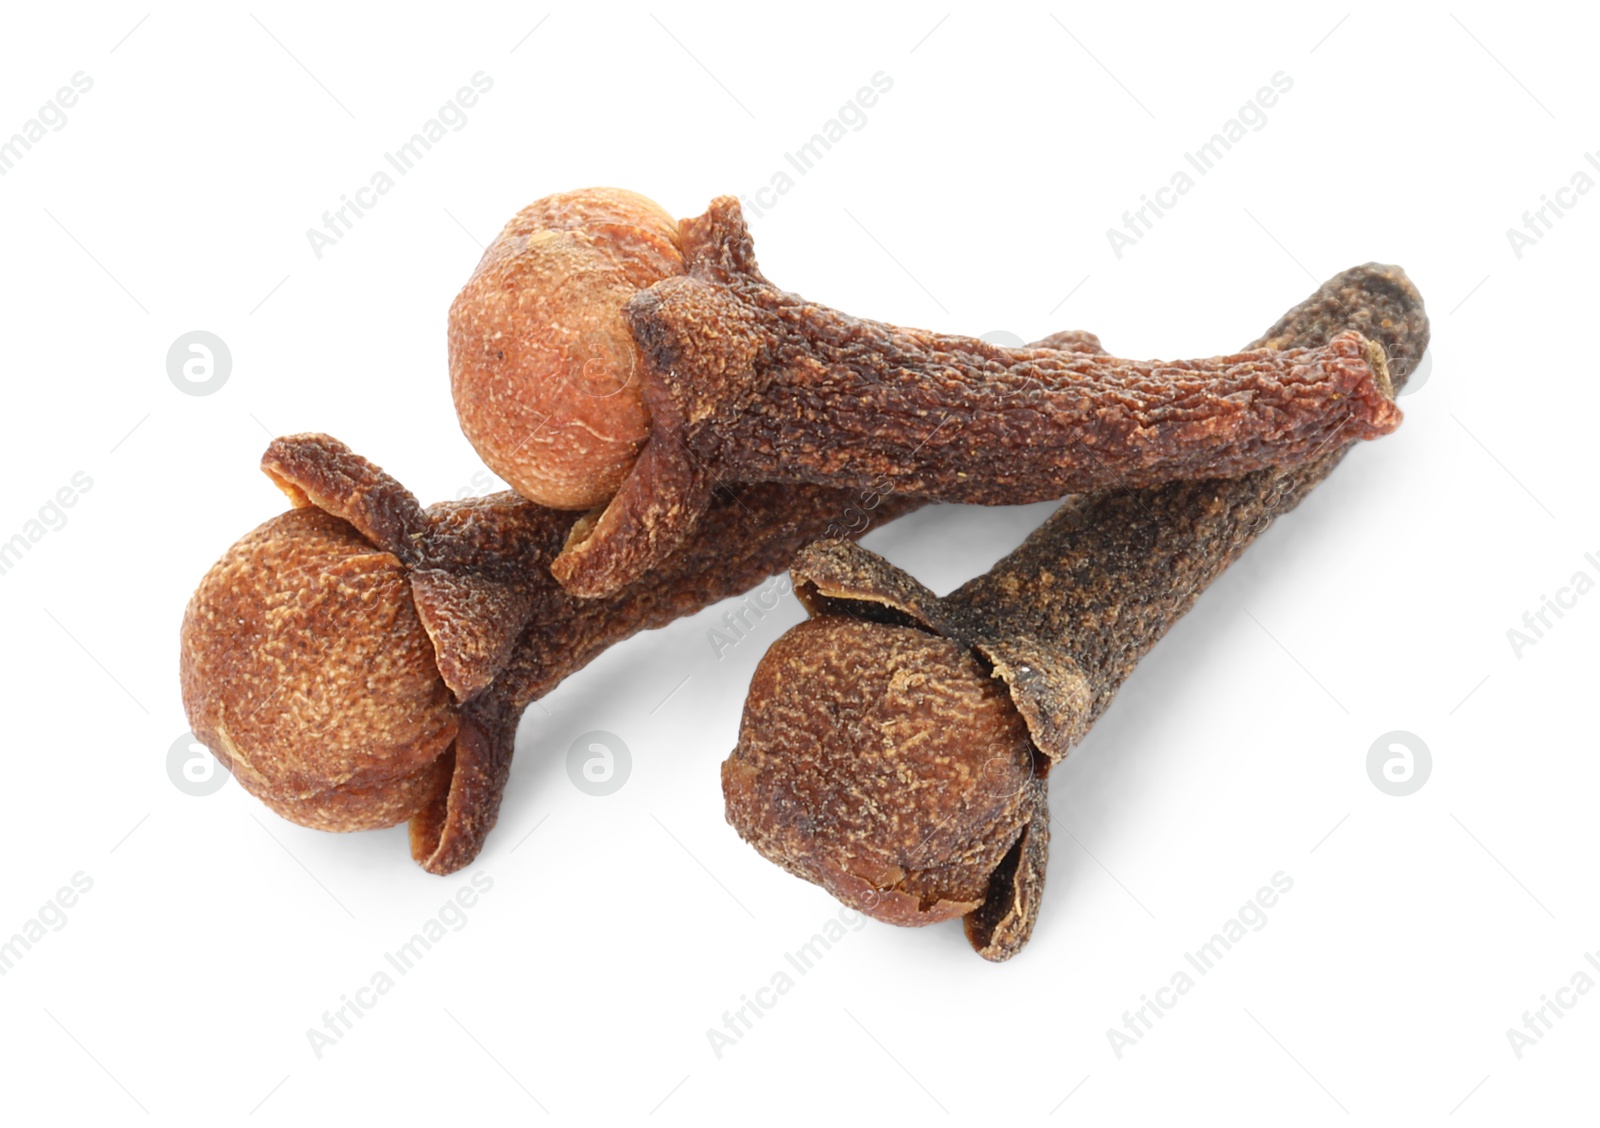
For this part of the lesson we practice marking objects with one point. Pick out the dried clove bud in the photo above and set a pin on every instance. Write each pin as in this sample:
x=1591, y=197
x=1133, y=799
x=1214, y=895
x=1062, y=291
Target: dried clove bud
x=903, y=774
x=541, y=356
x=725, y=378
x=896, y=813
x=359, y=661
x=329, y=656
x=309, y=674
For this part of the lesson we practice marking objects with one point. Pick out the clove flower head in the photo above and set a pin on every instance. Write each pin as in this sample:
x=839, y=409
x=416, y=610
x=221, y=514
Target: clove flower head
x=342, y=659
x=885, y=764
x=543, y=364
x=308, y=673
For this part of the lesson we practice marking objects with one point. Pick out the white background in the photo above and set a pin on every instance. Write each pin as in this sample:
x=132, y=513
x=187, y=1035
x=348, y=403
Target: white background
x=976, y=198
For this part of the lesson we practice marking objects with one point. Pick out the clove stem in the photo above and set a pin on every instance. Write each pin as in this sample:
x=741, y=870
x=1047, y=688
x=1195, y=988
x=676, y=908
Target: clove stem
x=1056, y=627
x=745, y=382
x=360, y=661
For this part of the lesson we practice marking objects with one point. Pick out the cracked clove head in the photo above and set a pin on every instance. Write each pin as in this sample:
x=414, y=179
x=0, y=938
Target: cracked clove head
x=885, y=764
x=543, y=364
x=306, y=670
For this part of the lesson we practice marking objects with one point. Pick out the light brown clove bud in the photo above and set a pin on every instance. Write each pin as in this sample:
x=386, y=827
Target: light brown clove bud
x=543, y=365
x=309, y=675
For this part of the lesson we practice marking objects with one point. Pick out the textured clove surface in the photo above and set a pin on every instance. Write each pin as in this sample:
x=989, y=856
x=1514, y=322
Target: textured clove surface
x=360, y=661
x=307, y=669
x=542, y=361
x=745, y=382
x=1059, y=624
x=899, y=786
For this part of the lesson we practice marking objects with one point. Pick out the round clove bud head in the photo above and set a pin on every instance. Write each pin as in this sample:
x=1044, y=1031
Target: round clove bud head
x=543, y=365
x=883, y=763
x=306, y=670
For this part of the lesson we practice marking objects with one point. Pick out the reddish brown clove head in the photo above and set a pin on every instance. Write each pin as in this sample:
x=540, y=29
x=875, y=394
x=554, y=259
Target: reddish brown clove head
x=362, y=660
x=543, y=365
x=884, y=764
x=308, y=673
x=342, y=658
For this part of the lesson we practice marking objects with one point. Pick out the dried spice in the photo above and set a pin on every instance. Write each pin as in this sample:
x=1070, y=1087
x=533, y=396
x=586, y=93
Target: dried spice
x=360, y=661
x=602, y=356
x=883, y=747
x=542, y=358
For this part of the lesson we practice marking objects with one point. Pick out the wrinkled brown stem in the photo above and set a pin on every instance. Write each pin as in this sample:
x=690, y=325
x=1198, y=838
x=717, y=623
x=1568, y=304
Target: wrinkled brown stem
x=1059, y=623
x=745, y=382
x=361, y=661
x=743, y=541
x=286, y=639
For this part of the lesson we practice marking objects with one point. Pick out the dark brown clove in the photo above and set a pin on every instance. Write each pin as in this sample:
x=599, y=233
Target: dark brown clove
x=894, y=748
x=360, y=661
x=723, y=378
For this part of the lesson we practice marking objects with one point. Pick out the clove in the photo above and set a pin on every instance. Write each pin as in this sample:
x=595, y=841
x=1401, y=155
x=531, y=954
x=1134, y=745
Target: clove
x=358, y=661
x=895, y=748
x=604, y=357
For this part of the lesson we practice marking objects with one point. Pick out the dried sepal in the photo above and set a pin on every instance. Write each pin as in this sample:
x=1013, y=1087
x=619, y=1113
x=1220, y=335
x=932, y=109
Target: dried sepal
x=314, y=470
x=473, y=622
x=998, y=928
